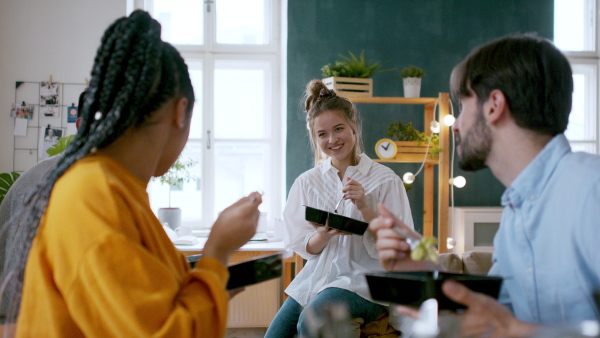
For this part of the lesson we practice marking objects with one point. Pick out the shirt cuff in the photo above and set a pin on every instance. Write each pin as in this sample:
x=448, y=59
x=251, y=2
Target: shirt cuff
x=208, y=263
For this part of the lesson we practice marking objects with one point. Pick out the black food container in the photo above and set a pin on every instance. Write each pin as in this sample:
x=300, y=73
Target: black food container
x=255, y=271
x=415, y=287
x=336, y=221
x=316, y=215
x=250, y=272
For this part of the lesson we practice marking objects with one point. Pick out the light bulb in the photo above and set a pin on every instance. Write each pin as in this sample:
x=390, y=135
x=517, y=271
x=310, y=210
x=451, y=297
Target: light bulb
x=408, y=178
x=449, y=120
x=458, y=181
x=435, y=126
x=450, y=242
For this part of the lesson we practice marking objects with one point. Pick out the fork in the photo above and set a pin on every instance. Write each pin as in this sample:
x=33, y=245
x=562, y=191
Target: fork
x=338, y=203
x=412, y=240
x=341, y=199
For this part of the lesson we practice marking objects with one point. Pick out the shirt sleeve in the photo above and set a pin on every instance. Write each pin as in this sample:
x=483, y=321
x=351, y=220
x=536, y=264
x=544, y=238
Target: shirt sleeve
x=297, y=229
x=129, y=293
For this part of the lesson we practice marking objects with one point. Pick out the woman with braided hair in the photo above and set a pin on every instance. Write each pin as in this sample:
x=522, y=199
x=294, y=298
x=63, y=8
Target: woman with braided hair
x=335, y=260
x=89, y=257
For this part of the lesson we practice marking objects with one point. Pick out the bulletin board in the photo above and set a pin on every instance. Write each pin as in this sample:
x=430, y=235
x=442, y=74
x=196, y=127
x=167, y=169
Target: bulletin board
x=42, y=113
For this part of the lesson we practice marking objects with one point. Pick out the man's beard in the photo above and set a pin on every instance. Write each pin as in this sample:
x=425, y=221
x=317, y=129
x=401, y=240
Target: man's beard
x=475, y=146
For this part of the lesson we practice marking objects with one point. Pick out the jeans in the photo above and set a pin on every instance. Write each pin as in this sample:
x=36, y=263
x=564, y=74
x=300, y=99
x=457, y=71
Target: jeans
x=290, y=319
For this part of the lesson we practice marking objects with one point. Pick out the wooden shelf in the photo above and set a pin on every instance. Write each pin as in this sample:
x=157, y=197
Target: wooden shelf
x=395, y=100
x=442, y=162
x=427, y=161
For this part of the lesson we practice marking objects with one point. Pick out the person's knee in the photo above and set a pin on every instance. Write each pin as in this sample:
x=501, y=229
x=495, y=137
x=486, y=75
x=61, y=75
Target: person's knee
x=308, y=321
x=301, y=326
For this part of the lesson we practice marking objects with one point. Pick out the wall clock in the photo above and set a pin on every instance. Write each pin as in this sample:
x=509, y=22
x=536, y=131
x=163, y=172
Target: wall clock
x=386, y=149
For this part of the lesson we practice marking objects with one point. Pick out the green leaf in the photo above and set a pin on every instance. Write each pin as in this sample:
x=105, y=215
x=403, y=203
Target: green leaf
x=60, y=146
x=178, y=173
x=6, y=181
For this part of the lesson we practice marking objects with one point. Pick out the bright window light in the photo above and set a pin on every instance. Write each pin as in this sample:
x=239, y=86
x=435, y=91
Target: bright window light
x=574, y=23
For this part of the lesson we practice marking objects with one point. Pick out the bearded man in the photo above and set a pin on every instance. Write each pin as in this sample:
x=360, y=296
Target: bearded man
x=515, y=98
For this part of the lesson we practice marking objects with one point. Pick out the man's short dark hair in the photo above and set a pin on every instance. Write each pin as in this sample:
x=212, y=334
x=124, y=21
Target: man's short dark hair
x=533, y=74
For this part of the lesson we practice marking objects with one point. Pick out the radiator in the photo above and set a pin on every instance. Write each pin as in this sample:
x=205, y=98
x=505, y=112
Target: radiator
x=256, y=306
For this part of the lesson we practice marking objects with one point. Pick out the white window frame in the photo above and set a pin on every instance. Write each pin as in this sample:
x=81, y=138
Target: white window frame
x=208, y=53
x=590, y=58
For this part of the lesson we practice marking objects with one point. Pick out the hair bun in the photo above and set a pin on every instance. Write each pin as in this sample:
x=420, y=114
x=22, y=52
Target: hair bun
x=326, y=93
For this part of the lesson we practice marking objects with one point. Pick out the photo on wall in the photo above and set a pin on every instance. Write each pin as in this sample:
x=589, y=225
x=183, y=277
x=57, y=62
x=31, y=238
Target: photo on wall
x=49, y=111
x=24, y=111
x=48, y=137
x=71, y=114
x=49, y=98
x=49, y=93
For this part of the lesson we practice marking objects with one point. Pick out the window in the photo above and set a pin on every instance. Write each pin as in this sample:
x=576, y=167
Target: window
x=233, y=52
x=576, y=34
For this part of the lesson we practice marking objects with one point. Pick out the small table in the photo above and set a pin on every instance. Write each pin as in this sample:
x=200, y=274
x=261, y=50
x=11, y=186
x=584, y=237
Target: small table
x=243, y=308
x=291, y=265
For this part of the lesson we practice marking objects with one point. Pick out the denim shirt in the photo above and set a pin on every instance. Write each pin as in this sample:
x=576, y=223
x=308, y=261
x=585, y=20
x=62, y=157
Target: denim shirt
x=548, y=244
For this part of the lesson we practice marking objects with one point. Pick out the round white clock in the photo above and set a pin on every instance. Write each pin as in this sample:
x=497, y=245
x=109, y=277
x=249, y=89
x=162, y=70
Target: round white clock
x=386, y=149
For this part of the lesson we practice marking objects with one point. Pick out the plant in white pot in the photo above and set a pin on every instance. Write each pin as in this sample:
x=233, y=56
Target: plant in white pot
x=411, y=77
x=176, y=176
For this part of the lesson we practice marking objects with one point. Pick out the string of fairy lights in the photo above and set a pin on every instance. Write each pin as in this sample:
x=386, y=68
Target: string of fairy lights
x=458, y=181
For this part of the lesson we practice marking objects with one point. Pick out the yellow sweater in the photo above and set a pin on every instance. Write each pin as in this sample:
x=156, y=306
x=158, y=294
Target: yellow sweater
x=102, y=266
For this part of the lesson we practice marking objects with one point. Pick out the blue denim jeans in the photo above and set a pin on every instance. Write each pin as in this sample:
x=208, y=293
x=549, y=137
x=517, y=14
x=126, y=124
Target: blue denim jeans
x=289, y=320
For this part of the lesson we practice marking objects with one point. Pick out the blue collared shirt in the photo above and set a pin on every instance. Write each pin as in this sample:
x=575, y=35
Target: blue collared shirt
x=547, y=244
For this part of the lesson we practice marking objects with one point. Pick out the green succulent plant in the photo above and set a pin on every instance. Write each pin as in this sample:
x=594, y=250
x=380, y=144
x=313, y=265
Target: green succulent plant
x=352, y=66
x=412, y=71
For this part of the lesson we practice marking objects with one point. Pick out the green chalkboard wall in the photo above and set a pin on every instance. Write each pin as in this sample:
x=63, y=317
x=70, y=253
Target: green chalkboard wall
x=433, y=34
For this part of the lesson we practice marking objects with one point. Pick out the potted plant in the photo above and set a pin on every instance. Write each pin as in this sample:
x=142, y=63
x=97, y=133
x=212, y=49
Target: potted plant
x=178, y=174
x=6, y=181
x=412, y=144
x=350, y=77
x=411, y=77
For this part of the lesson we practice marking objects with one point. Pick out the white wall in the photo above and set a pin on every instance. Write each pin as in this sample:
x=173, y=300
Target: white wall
x=40, y=38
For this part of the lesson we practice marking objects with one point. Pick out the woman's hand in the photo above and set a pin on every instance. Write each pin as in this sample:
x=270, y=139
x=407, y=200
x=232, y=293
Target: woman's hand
x=325, y=231
x=355, y=192
x=235, y=227
x=317, y=242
